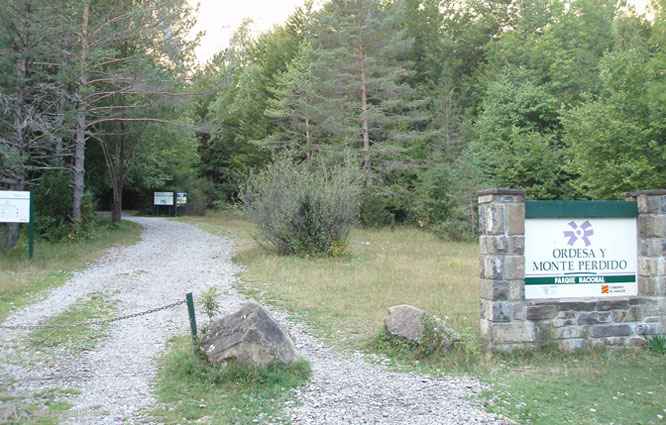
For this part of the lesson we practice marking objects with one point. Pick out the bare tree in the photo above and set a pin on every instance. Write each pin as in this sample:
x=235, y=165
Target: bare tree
x=127, y=55
x=31, y=96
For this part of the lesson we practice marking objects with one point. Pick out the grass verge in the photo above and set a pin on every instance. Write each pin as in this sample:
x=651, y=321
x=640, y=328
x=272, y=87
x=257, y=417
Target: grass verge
x=190, y=389
x=44, y=408
x=588, y=387
x=346, y=301
x=81, y=338
x=21, y=280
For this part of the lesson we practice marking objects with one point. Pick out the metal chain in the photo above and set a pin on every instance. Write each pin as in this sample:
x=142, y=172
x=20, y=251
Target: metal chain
x=92, y=322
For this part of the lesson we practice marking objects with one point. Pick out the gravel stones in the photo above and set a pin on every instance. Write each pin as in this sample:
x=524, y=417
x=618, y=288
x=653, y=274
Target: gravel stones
x=115, y=379
x=349, y=390
x=172, y=259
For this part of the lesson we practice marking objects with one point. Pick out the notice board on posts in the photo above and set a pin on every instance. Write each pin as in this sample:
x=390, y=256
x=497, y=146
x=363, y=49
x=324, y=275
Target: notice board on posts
x=14, y=206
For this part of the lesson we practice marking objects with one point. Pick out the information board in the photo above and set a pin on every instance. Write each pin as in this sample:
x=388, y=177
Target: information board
x=579, y=257
x=181, y=198
x=14, y=207
x=163, y=198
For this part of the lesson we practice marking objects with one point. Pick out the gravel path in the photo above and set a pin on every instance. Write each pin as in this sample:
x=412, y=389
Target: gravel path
x=172, y=259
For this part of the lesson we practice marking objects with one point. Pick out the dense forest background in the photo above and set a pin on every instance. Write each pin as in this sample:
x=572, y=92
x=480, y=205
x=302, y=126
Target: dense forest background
x=101, y=104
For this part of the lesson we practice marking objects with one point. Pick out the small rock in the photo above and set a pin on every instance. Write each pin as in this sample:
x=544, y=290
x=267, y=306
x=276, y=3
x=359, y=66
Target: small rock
x=593, y=410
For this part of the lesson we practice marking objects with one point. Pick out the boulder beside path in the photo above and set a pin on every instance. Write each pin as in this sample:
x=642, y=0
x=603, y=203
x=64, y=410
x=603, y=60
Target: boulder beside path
x=407, y=321
x=251, y=336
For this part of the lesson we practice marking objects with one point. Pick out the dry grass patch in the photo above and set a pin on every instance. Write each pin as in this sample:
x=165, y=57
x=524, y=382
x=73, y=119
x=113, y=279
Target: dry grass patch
x=350, y=295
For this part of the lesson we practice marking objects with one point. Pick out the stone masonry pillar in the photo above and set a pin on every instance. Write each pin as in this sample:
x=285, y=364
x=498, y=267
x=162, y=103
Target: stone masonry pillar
x=502, y=258
x=651, y=241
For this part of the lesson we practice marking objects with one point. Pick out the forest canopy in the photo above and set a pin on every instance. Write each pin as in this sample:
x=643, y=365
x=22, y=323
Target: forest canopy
x=431, y=99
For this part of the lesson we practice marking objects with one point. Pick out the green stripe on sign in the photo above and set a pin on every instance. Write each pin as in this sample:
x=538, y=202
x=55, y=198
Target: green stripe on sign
x=587, y=209
x=579, y=280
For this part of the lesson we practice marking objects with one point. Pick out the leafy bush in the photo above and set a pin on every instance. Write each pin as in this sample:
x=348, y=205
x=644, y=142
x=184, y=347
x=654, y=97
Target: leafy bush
x=210, y=304
x=53, y=205
x=373, y=211
x=445, y=199
x=432, y=196
x=197, y=202
x=303, y=208
x=657, y=344
x=457, y=227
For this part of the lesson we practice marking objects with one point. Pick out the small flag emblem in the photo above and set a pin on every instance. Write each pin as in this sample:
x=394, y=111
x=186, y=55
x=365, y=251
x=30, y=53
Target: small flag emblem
x=604, y=289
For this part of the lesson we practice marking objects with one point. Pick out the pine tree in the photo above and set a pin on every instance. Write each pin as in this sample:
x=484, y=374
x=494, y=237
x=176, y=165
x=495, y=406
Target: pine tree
x=356, y=46
x=32, y=96
x=297, y=106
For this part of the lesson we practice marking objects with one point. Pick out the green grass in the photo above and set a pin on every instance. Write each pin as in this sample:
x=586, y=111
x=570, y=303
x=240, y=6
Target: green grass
x=592, y=387
x=44, y=408
x=189, y=389
x=81, y=338
x=22, y=280
x=346, y=300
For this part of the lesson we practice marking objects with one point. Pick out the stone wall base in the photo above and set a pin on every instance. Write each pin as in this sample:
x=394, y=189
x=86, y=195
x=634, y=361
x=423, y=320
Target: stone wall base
x=579, y=323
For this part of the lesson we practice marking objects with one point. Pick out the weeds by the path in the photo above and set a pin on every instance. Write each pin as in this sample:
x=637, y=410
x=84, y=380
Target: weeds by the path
x=81, y=338
x=190, y=389
x=43, y=408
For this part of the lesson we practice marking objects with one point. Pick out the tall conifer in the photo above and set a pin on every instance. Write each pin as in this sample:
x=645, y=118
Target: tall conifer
x=356, y=46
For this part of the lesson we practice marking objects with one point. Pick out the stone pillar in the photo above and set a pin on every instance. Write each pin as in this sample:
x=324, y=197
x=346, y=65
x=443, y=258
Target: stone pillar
x=651, y=241
x=502, y=257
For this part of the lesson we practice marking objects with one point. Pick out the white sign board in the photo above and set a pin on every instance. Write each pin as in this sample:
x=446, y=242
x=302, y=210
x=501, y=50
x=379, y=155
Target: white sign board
x=181, y=198
x=163, y=198
x=14, y=207
x=578, y=257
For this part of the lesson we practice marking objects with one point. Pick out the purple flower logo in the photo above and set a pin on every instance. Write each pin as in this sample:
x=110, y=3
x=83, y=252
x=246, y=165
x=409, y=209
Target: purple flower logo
x=582, y=232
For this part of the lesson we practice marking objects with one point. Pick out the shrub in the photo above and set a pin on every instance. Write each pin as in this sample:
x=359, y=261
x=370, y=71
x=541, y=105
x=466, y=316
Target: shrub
x=303, y=208
x=657, y=344
x=53, y=205
x=373, y=210
x=210, y=303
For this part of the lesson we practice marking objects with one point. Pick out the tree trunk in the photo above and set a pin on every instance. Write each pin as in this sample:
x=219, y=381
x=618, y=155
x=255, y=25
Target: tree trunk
x=308, y=140
x=13, y=228
x=117, y=214
x=118, y=175
x=365, y=128
x=60, y=111
x=80, y=131
x=19, y=180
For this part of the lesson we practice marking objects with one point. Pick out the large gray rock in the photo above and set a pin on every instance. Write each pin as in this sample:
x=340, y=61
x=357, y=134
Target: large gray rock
x=250, y=336
x=407, y=321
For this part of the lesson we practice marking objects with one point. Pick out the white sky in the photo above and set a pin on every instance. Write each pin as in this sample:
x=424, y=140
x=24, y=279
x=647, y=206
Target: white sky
x=219, y=18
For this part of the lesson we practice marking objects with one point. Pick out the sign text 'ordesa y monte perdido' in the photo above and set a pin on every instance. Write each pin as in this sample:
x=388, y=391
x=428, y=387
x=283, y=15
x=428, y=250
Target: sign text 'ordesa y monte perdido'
x=580, y=257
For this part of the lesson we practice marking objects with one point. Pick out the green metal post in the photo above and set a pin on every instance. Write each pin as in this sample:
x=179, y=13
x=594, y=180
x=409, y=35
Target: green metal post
x=31, y=227
x=193, y=320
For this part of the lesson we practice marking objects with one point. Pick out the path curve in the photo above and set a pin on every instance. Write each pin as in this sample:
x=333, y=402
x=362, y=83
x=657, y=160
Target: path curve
x=174, y=258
